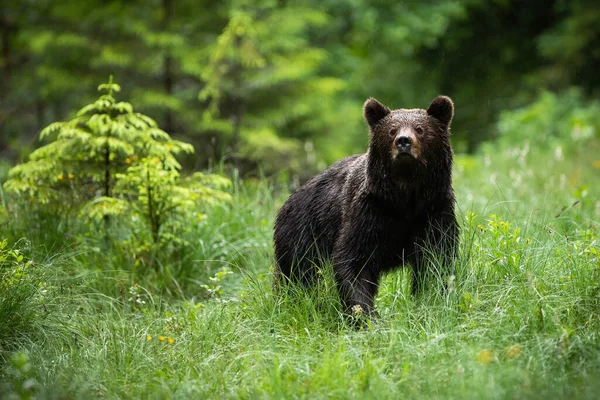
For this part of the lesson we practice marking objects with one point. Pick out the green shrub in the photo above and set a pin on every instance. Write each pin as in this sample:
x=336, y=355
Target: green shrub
x=111, y=162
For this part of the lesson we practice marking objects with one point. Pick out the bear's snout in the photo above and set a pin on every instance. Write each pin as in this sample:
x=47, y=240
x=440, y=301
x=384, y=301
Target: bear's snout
x=404, y=143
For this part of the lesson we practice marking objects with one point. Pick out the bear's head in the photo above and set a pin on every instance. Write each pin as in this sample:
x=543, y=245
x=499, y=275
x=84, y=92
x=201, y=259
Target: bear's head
x=410, y=140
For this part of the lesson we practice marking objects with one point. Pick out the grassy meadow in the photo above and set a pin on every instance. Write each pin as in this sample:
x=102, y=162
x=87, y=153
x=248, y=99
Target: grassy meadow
x=80, y=317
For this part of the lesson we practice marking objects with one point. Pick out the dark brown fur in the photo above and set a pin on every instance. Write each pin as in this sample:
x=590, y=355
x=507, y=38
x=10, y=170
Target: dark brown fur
x=373, y=212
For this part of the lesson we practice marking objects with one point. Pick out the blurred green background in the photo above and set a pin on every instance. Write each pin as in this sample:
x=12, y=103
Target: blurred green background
x=271, y=86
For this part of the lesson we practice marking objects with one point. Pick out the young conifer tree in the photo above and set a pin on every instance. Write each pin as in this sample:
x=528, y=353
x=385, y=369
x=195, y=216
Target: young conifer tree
x=110, y=160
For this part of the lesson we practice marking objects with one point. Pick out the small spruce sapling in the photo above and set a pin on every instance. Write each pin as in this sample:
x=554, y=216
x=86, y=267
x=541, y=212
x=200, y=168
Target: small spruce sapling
x=112, y=161
x=163, y=198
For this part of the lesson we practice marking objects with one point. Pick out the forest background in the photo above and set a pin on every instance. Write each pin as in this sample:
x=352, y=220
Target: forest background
x=279, y=85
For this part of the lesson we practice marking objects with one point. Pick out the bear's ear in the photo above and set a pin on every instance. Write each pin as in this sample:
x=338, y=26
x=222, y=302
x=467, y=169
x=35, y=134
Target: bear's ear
x=374, y=111
x=442, y=109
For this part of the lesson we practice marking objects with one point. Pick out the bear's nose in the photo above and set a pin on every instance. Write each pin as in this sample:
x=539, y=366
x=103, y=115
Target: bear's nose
x=403, y=142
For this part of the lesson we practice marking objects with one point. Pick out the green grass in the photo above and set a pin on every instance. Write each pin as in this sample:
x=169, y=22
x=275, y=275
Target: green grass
x=522, y=319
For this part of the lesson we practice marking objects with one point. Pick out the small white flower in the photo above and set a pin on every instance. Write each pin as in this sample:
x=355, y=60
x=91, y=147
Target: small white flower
x=357, y=310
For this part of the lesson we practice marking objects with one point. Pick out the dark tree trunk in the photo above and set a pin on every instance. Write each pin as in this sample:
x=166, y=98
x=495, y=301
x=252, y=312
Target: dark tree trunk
x=168, y=65
x=39, y=112
x=106, y=190
x=237, y=109
x=6, y=29
x=236, y=120
x=107, y=169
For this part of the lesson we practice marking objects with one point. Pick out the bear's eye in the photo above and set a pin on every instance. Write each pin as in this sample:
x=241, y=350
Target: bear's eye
x=393, y=132
x=419, y=130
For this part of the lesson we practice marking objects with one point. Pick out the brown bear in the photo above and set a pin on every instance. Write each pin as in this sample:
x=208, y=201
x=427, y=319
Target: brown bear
x=372, y=212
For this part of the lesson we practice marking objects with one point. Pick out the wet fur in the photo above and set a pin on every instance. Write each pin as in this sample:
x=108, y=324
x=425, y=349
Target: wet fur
x=377, y=211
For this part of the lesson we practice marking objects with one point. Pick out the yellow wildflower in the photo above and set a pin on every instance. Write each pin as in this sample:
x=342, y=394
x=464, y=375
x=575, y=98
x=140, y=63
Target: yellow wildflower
x=171, y=340
x=162, y=338
x=514, y=351
x=170, y=147
x=527, y=240
x=155, y=160
x=148, y=338
x=71, y=176
x=60, y=177
x=569, y=277
x=135, y=158
x=485, y=356
x=128, y=160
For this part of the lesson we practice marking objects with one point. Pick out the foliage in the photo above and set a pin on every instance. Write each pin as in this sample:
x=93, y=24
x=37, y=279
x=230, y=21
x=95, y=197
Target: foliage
x=261, y=64
x=160, y=197
x=552, y=120
x=214, y=289
x=279, y=85
x=85, y=153
x=23, y=386
x=22, y=294
x=111, y=161
x=567, y=43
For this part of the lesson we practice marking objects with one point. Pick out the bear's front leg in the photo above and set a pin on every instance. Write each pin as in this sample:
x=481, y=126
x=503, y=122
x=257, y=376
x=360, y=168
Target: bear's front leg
x=357, y=266
x=357, y=286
